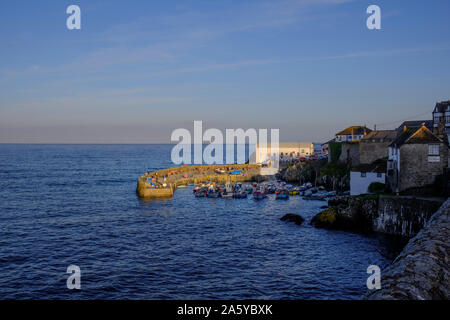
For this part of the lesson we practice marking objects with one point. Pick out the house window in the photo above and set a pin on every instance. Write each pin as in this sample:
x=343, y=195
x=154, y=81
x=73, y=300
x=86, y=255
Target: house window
x=363, y=174
x=433, y=149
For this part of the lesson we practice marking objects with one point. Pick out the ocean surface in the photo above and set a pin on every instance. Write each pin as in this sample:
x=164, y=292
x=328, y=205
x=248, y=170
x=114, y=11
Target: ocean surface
x=76, y=204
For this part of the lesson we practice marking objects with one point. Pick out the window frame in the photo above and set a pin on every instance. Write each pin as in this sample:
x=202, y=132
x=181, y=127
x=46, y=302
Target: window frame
x=432, y=152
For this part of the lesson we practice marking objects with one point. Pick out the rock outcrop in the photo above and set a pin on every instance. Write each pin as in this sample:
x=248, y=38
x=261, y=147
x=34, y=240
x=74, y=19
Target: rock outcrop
x=402, y=216
x=422, y=270
x=291, y=217
x=347, y=213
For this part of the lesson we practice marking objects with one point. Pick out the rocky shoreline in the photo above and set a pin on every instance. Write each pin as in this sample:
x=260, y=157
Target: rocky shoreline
x=395, y=215
x=422, y=269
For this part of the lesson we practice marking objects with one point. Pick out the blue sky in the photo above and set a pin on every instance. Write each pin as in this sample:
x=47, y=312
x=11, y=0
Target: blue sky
x=139, y=69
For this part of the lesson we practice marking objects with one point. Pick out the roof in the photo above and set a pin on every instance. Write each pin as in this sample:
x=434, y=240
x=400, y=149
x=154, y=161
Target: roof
x=442, y=106
x=380, y=136
x=415, y=124
x=378, y=166
x=416, y=136
x=354, y=130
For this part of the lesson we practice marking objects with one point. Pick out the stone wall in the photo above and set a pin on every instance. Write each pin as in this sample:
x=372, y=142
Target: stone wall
x=184, y=175
x=415, y=170
x=422, y=269
x=371, y=151
x=403, y=216
x=350, y=153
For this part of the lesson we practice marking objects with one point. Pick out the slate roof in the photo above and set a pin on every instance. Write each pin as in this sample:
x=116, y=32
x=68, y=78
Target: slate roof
x=416, y=124
x=442, y=106
x=380, y=136
x=415, y=136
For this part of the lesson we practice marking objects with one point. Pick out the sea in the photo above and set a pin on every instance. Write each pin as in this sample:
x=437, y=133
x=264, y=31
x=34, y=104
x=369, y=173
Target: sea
x=63, y=205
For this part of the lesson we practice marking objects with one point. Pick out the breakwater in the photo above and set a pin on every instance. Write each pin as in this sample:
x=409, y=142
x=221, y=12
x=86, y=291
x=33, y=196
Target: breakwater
x=163, y=183
x=422, y=270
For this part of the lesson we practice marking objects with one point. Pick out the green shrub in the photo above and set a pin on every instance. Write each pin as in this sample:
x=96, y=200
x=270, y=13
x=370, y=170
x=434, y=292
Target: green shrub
x=377, y=187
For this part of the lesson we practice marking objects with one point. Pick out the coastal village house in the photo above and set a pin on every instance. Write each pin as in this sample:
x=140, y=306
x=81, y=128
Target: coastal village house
x=375, y=145
x=417, y=153
x=416, y=158
x=362, y=176
x=352, y=134
x=349, y=139
x=441, y=117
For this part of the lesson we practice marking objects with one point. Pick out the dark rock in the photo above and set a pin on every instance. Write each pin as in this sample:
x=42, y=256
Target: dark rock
x=291, y=217
x=324, y=207
x=325, y=219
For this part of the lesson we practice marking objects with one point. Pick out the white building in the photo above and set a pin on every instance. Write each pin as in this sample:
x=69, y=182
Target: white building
x=362, y=176
x=352, y=134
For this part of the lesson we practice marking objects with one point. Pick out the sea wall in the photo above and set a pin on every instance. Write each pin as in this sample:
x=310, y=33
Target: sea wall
x=422, y=269
x=395, y=215
x=166, y=181
x=404, y=216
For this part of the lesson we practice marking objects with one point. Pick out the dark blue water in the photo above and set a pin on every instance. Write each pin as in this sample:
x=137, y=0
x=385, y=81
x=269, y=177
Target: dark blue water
x=76, y=204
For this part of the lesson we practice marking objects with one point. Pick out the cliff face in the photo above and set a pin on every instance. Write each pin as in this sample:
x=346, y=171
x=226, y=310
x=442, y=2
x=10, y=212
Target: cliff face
x=422, y=270
x=403, y=216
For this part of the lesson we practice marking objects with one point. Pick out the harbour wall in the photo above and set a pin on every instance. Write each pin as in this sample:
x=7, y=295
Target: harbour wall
x=184, y=175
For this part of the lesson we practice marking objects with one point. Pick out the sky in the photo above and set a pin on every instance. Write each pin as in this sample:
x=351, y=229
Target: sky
x=137, y=70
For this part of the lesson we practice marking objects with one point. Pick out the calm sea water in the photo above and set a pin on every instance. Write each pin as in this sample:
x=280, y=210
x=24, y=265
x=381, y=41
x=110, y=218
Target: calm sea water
x=76, y=204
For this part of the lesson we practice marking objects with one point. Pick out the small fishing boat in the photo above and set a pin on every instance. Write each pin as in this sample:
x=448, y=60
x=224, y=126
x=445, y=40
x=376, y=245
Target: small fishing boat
x=258, y=195
x=200, y=193
x=282, y=195
x=226, y=195
x=315, y=197
x=240, y=195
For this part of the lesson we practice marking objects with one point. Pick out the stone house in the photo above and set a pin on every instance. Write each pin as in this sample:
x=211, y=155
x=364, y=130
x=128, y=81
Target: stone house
x=375, y=145
x=441, y=117
x=416, y=158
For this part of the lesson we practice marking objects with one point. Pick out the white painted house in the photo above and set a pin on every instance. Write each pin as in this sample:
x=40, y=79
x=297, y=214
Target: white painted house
x=363, y=175
x=352, y=134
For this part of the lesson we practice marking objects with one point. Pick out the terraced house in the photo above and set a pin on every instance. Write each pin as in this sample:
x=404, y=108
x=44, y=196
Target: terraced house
x=416, y=158
x=441, y=117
